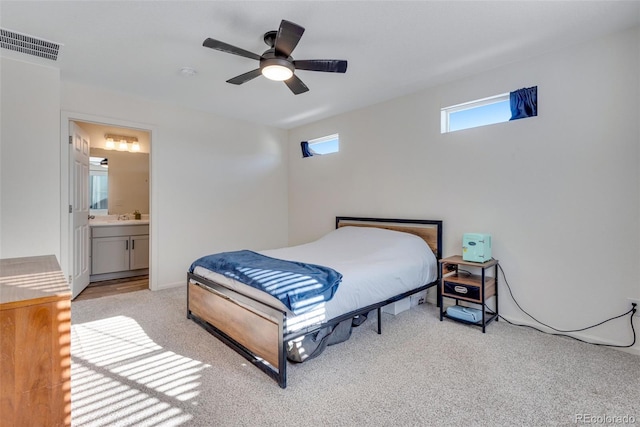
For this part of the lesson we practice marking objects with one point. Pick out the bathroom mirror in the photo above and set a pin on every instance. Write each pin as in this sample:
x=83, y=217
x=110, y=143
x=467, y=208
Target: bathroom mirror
x=119, y=182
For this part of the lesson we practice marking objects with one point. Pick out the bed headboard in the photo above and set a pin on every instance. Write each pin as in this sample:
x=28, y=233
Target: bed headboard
x=429, y=230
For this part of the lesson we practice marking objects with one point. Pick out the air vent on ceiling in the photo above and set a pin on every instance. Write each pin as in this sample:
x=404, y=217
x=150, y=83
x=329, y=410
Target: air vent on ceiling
x=29, y=44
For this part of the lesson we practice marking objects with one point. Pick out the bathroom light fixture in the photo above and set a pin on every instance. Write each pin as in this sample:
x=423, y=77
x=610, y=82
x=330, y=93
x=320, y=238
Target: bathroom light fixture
x=123, y=142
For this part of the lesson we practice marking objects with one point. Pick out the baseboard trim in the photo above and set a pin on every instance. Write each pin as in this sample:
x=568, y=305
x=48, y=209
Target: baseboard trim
x=162, y=286
x=635, y=350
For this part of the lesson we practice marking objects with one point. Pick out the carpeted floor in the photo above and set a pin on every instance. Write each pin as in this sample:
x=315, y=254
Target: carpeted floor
x=137, y=361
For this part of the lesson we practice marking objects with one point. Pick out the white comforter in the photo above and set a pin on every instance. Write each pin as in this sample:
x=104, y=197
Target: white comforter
x=375, y=264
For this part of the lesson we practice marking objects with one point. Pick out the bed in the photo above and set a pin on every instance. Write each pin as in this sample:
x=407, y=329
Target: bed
x=378, y=261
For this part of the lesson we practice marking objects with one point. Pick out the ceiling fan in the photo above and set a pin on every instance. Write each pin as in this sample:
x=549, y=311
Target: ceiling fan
x=276, y=63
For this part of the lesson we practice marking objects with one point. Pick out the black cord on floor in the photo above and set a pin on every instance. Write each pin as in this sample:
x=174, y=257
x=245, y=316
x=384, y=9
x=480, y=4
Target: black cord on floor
x=563, y=334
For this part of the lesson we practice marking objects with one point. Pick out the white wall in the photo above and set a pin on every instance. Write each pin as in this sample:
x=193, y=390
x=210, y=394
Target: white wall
x=29, y=159
x=559, y=192
x=216, y=184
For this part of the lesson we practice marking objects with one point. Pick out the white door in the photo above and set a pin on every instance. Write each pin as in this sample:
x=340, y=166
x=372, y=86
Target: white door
x=79, y=207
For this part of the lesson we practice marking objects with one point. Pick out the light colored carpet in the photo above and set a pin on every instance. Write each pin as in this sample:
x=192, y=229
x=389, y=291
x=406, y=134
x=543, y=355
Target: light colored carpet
x=137, y=361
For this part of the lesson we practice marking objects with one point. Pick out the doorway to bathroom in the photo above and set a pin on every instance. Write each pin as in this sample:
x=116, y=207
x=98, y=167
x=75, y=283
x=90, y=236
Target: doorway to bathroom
x=109, y=198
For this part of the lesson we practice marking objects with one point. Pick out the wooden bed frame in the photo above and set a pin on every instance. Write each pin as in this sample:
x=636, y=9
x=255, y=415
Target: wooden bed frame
x=257, y=330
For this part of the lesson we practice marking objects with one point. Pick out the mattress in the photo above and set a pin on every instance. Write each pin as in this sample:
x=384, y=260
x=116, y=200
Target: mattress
x=375, y=263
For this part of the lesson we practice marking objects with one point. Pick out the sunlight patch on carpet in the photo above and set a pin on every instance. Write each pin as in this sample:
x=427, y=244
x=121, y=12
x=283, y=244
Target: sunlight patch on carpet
x=121, y=377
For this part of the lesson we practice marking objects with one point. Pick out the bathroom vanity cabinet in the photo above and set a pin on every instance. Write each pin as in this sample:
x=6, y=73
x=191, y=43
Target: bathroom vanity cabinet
x=119, y=251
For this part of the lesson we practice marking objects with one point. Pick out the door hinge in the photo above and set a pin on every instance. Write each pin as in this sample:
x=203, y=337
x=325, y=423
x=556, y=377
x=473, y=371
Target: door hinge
x=70, y=209
x=70, y=139
x=70, y=279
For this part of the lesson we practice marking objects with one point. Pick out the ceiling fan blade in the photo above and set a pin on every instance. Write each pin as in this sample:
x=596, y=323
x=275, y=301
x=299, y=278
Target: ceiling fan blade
x=296, y=85
x=326, y=65
x=243, y=78
x=225, y=47
x=287, y=38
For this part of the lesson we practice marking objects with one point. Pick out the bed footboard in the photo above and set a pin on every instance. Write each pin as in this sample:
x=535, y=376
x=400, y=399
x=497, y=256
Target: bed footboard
x=253, y=329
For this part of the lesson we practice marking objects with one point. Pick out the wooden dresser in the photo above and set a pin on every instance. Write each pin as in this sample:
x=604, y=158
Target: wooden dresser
x=35, y=344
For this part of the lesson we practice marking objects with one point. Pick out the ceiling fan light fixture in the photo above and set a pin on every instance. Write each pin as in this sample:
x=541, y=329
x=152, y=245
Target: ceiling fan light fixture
x=278, y=69
x=277, y=72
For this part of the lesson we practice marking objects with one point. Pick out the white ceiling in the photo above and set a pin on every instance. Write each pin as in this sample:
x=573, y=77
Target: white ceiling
x=393, y=47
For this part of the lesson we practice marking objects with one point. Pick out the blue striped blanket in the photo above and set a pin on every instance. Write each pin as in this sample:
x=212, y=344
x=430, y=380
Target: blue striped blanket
x=299, y=286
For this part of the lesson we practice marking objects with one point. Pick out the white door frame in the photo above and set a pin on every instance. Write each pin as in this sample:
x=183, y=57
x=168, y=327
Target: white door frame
x=66, y=229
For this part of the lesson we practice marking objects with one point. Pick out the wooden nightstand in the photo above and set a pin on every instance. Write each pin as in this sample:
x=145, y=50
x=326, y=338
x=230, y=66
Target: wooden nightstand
x=460, y=281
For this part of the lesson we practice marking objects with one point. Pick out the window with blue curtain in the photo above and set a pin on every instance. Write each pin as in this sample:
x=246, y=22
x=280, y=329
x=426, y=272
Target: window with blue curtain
x=320, y=146
x=519, y=104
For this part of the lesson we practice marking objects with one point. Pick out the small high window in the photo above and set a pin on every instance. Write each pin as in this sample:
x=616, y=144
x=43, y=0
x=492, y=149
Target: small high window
x=519, y=104
x=486, y=111
x=320, y=146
